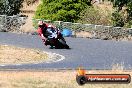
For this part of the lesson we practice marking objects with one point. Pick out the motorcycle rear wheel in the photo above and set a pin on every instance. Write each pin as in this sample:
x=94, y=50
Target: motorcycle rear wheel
x=63, y=44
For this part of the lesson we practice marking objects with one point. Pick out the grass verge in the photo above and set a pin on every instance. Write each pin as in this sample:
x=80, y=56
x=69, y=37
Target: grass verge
x=52, y=79
x=16, y=55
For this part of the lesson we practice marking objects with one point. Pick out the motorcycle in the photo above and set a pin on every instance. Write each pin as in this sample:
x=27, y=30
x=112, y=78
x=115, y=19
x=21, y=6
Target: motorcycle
x=55, y=39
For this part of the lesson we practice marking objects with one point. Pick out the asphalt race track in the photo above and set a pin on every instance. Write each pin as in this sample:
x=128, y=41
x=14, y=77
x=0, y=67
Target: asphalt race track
x=89, y=53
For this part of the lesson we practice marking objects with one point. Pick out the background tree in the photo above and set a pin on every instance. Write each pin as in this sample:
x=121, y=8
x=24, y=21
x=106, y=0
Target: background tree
x=63, y=10
x=95, y=16
x=10, y=7
x=119, y=5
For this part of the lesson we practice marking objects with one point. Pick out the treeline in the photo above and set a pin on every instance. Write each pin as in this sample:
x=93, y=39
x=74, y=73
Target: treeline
x=123, y=13
x=82, y=11
x=74, y=11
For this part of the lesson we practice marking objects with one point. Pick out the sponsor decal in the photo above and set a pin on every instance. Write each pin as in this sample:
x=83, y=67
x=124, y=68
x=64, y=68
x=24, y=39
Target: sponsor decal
x=83, y=78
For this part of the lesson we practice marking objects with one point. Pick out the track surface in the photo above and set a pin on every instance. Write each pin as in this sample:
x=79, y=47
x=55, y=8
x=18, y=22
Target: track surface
x=89, y=53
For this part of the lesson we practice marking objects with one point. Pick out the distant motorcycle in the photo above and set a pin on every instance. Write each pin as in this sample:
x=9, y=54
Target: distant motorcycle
x=55, y=39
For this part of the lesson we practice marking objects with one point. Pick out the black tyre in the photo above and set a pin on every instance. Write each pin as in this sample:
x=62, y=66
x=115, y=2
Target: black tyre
x=62, y=41
x=63, y=44
x=67, y=47
x=81, y=80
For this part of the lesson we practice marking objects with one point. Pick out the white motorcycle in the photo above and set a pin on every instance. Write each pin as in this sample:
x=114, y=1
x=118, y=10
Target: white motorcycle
x=55, y=39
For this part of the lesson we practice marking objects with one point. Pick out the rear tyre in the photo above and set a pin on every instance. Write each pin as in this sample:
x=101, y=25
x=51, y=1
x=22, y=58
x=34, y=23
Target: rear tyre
x=66, y=46
x=63, y=44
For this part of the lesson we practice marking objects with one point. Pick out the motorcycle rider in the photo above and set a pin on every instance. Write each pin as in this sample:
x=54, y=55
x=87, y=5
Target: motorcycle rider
x=42, y=31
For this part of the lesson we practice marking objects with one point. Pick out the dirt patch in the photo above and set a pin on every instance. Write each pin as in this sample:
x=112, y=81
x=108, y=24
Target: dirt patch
x=52, y=79
x=15, y=55
x=28, y=26
x=84, y=34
